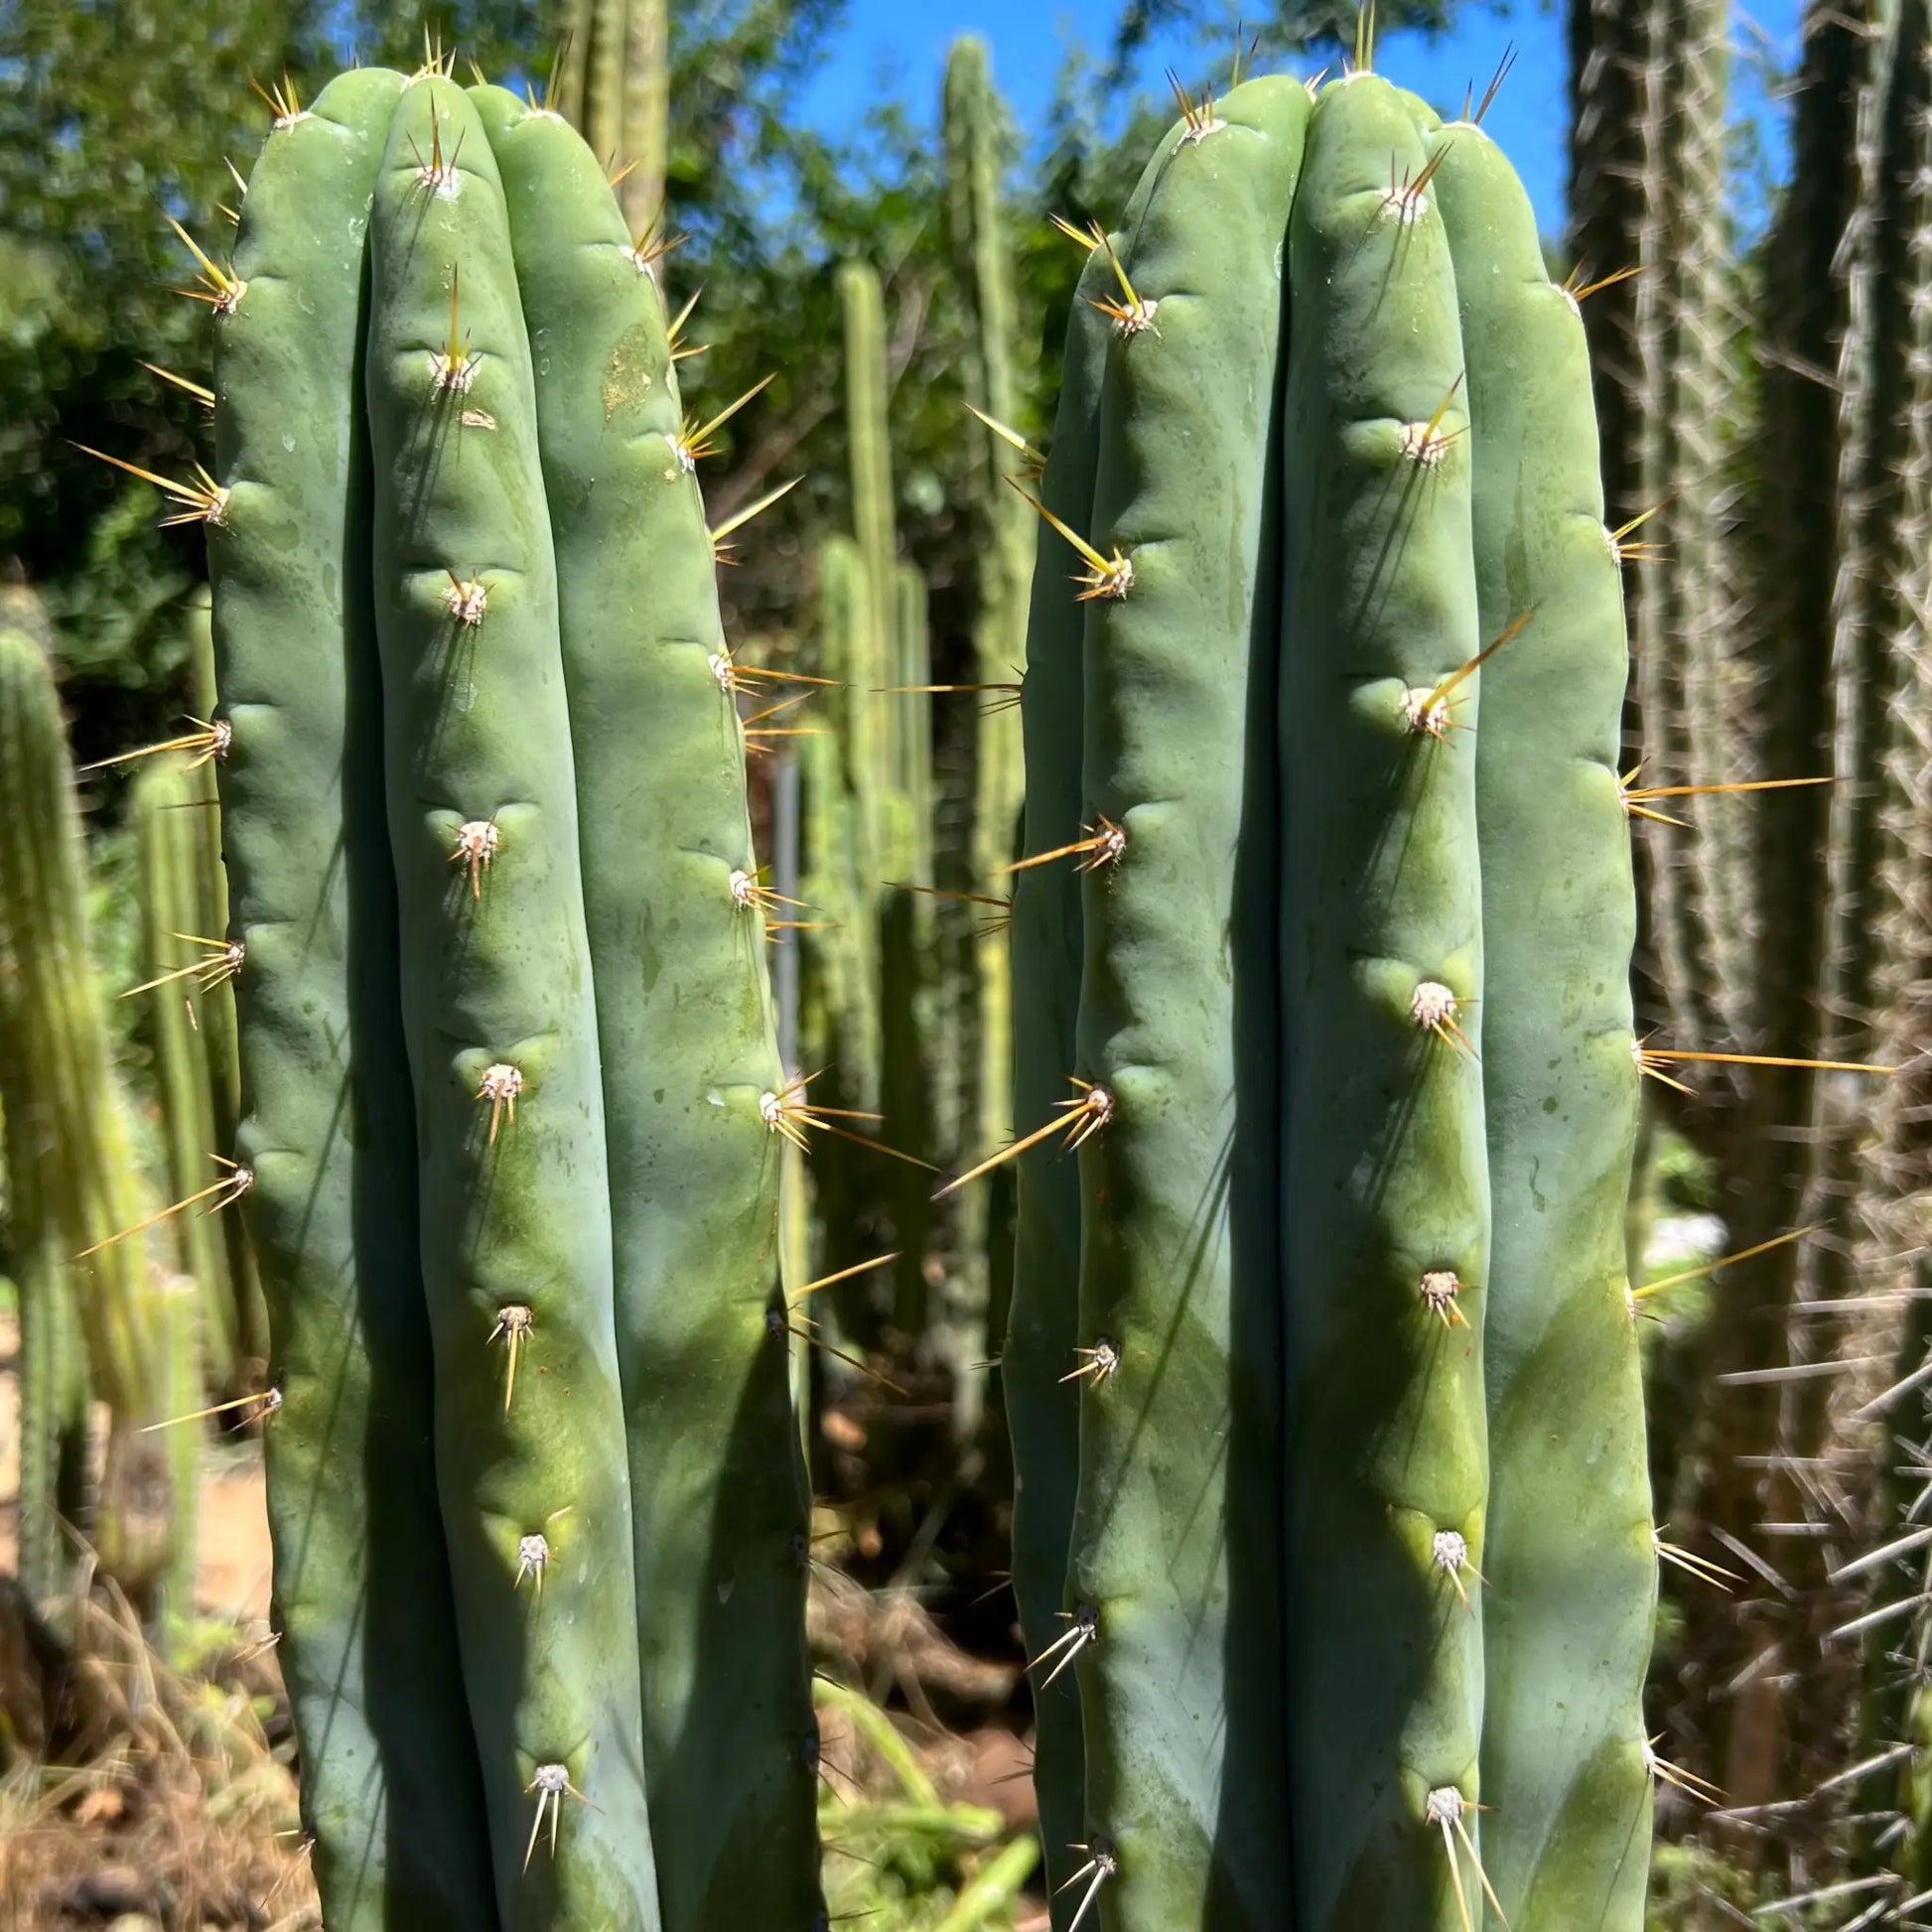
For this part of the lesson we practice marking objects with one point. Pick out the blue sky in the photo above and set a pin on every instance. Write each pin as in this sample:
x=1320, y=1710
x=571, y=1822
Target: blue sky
x=903, y=44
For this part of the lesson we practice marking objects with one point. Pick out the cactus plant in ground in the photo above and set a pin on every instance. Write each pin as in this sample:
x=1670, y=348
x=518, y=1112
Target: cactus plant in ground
x=84, y=1214
x=171, y=822
x=1344, y=1353
x=534, y=1484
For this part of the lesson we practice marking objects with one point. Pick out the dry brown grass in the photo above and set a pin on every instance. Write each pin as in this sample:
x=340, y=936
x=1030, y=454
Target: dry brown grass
x=137, y=1795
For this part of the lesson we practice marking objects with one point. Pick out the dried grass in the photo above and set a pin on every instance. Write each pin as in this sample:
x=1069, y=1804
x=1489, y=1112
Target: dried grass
x=139, y=1792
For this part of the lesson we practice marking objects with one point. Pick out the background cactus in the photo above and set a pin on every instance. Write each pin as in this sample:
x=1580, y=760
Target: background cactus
x=614, y=85
x=71, y=1143
x=615, y=1468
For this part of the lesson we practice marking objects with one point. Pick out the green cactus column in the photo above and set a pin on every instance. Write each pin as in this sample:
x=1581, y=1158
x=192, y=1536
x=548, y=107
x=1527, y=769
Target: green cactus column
x=215, y=1005
x=69, y=1128
x=167, y=806
x=499, y=1012
x=1174, y=1566
x=975, y=134
x=391, y=1791
x=1042, y=1405
x=614, y=84
x=1385, y=1184
x=1570, y=1565
x=676, y=929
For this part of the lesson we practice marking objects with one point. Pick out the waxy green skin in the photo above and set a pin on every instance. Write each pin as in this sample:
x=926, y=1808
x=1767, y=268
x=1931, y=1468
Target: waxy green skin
x=1385, y=1174
x=1570, y=1563
x=685, y=1028
x=1043, y=1326
x=168, y=827
x=391, y=1794
x=477, y=727
x=1169, y=1548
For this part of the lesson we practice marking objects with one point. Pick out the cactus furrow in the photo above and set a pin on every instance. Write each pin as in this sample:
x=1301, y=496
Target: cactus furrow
x=1570, y=1569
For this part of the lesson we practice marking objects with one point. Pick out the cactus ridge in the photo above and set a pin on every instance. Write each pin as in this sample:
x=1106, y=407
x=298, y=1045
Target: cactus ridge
x=1568, y=1556
x=1179, y=1274
x=717, y=1497
x=498, y=1009
x=362, y=1593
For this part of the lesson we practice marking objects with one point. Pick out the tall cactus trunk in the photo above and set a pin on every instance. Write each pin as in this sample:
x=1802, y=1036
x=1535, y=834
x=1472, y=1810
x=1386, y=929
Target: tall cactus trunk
x=171, y=818
x=69, y=1127
x=975, y=135
x=614, y=85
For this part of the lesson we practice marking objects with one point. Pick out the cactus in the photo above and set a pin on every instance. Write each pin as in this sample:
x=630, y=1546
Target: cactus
x=974, y=133
x=543, y=1629
x=171, y=822
x=614, y=84
x=715, y=1487
x=84, y=1226
x=1320, y=1243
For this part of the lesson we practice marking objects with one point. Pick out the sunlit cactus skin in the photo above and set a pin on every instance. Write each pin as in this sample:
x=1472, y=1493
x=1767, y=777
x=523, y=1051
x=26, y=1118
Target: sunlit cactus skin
x=1170, y=1553
x=1569, y=1554
x=716, y=1486
x=391, y=1792
x=1322, y=1164
x=167, y=806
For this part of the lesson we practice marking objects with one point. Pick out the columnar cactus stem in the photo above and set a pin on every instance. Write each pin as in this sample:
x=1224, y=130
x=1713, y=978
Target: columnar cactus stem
x=498, y=1011
x=685, y=1032
x=215, y=1005
x=392, y=1799
x=65, y=1103
x=1568, y=1555
x=1172, y=1556
x=1043, y=1328
x=166, y=806
x=1385, y=1178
